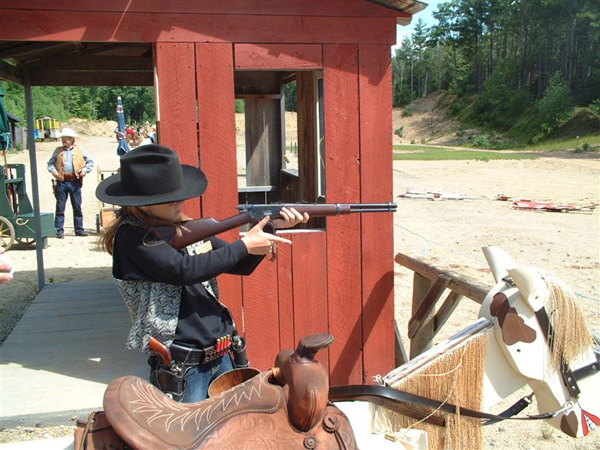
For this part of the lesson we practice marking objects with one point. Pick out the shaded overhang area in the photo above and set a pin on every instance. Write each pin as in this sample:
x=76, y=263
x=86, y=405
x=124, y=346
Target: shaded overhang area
x=39, y=57
x=69, y=64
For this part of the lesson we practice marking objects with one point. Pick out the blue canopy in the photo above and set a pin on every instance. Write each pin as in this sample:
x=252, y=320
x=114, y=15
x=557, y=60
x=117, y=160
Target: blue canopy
x=121, y=134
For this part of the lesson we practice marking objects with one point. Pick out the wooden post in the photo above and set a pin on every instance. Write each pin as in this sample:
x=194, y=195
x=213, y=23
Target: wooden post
x=426, y=308
x=422, y=341
x=401, y=356
x=263, y=137
x=307, y=136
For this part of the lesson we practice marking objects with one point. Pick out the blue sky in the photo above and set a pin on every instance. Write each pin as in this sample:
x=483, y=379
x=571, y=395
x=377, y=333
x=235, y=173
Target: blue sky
x=426, y=15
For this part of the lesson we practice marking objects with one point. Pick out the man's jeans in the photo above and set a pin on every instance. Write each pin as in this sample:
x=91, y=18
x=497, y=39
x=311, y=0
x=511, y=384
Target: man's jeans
x=63, y=190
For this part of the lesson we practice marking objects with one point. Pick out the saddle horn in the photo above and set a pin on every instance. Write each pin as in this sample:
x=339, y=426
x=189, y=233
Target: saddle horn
x=306, y=379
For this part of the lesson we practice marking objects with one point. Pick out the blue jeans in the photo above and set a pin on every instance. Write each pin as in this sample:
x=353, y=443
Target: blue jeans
x=200, y=377
x=65, y=189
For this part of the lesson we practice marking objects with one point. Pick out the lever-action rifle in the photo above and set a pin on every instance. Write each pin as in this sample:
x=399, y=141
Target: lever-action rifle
x=196, y=230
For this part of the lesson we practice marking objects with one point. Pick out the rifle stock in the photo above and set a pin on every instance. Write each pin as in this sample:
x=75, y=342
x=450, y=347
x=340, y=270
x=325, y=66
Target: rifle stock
x=196, y=230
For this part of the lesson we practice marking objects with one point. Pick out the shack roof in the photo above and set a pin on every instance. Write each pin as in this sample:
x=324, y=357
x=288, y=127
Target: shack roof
x=88, y=63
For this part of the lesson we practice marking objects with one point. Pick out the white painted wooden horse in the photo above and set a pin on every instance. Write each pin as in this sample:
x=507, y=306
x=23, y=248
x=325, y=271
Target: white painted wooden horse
x=535, y=334
x=540, y=338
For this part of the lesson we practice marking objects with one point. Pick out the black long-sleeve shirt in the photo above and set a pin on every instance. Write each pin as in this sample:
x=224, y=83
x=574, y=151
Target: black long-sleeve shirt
x=138, y=255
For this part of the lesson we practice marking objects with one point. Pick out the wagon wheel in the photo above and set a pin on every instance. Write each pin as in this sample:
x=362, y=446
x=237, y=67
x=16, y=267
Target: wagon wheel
x=26, y=241
x=7, y=233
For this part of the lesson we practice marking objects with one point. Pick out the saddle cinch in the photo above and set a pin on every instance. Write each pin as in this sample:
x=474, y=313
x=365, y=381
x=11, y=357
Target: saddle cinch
x=284, y=407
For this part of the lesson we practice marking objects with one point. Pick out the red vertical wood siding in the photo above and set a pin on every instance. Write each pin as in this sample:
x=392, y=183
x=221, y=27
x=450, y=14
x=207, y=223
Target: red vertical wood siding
x=309, y=272
x=342, y=153
x=375, y=86
x=285, y=288
x=262, y=314
x=218, y=160
x=177, y=106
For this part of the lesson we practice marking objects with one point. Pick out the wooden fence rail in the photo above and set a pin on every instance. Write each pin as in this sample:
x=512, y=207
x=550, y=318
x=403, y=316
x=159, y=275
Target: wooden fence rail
x=429, y=284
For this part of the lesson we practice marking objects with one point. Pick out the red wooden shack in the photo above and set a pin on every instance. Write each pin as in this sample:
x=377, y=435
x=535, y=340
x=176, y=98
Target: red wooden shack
x=203, y=55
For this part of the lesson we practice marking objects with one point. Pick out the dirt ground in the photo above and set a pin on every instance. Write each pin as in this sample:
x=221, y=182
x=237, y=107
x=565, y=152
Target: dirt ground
x=445, y=233
x=430, y=122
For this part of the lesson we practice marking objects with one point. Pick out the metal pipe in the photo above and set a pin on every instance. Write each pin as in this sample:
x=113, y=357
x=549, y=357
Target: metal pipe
x=37, y=220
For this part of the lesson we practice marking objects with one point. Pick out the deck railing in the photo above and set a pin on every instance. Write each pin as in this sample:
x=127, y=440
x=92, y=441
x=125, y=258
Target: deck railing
x=429, y=284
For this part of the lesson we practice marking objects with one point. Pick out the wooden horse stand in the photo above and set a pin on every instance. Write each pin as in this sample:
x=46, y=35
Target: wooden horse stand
x=284, y=407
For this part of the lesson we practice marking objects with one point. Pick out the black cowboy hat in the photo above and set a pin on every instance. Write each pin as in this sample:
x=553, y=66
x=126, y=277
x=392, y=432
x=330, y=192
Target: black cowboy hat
x=149, y=175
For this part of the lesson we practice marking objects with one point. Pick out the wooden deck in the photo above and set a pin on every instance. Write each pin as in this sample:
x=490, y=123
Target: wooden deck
x=65, y=350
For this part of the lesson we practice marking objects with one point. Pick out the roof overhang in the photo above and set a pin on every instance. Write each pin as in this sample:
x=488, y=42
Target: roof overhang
x=94, y=63
x=411, y=7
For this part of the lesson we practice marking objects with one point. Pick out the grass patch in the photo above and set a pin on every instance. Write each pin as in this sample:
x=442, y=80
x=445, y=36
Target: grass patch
x=417, y=148
x=554, y=145
x=430, y=153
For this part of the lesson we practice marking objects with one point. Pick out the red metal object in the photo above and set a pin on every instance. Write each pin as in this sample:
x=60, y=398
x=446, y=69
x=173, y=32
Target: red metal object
x=552, y=207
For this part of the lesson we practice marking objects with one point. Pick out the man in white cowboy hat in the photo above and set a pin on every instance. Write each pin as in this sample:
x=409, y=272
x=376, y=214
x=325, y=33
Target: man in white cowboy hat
x=69, y=164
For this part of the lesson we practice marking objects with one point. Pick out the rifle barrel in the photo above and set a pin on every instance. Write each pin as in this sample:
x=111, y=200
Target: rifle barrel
x=373, y=207
x=370, y=210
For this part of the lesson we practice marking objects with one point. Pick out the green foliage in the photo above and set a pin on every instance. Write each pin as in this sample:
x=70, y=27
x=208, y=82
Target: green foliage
x=399, y=131
x=499, y=105
x=557, y=104
x=561, y=144
x=240, y=106
x=291, y=98
x=583, y=123
x=505, y=53
x=595, y=107
x=14, y=99
x=93, y=102
x=138, y=103
x=481, y=141
x=408, y=111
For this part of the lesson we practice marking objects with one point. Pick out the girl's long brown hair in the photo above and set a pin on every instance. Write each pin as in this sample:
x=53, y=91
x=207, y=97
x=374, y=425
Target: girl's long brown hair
x=107, y=240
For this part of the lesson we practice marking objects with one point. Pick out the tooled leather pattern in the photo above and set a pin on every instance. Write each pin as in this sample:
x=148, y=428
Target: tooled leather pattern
x=186, y=424
x=273, y=432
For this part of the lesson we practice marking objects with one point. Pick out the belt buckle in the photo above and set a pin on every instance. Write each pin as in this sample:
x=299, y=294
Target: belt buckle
x=210, y=355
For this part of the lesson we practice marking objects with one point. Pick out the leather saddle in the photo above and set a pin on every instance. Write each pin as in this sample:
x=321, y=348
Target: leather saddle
x=284, y=407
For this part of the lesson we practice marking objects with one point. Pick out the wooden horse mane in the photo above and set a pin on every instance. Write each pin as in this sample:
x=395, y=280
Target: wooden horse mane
x=570, y=336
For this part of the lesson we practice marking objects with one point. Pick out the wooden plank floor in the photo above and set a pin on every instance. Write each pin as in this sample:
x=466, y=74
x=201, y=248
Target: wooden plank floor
x=65, y=350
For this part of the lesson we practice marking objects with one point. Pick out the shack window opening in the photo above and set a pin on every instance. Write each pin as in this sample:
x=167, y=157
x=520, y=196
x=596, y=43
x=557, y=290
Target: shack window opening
x=280, y=138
